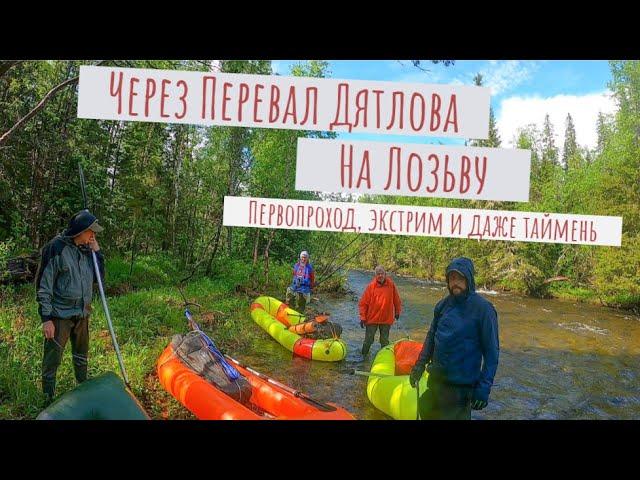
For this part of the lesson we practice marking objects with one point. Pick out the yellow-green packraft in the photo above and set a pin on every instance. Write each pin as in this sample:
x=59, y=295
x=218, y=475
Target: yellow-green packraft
x=275, y=317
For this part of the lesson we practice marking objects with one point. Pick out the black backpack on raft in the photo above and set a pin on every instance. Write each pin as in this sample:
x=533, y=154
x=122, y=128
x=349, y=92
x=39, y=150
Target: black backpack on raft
x=193, y=352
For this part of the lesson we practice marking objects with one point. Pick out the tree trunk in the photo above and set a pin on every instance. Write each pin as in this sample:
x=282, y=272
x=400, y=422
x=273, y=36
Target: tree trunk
x=215, y=248
x=266, y=258
x=255, y=247
x=254, y=278
x=132, y=246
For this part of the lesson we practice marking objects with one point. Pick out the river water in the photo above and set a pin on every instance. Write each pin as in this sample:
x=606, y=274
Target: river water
x=558, y=359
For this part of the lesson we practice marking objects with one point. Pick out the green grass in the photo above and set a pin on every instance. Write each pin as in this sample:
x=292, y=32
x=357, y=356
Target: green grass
x=626, y=301
x=568, y=291
x=146, y=314
x=148, y=272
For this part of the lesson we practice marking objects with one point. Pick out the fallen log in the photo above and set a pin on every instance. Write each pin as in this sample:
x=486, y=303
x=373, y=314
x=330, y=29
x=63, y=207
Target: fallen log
x=555, y=279
x=21, y=269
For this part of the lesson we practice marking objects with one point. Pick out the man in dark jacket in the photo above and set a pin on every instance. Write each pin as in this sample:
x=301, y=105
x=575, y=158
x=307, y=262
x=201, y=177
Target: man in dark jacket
x=64, y=286
x=463, y=337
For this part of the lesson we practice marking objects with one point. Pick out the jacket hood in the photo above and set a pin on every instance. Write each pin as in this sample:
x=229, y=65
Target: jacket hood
x=464, y=266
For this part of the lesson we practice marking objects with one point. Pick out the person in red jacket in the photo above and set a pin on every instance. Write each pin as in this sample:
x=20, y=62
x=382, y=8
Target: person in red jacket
x=379, y=306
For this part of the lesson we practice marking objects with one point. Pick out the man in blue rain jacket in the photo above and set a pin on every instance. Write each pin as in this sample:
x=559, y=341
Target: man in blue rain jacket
x=460, y=351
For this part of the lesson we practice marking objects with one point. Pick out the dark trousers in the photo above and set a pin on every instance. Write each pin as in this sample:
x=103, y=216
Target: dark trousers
x=443, y=401
x=370, y=333
x=297, y=300
x=77, y=329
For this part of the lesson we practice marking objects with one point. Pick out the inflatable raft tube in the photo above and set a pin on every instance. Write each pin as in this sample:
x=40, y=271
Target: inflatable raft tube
x=275, y=318
x=104, y=397
x=269, y=399
x=393, y=394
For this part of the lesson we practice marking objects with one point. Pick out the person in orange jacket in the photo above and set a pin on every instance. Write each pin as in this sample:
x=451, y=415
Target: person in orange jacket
x=380, y=306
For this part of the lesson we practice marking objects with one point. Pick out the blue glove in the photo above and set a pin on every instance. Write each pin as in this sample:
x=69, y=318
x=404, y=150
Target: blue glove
x=416, y=374
x=478, y=400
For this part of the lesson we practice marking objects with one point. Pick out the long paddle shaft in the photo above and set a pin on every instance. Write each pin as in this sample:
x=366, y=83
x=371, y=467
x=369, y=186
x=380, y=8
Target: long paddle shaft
x=369, y=374
x=297, y=393
x=108, y=315
x=102, y=296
